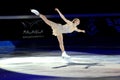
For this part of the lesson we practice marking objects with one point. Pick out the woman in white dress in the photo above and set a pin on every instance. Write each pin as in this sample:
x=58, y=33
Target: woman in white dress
x=59, y=29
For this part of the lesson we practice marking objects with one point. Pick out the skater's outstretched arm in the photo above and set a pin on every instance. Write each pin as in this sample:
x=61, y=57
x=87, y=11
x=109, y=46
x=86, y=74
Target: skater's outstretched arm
x=79, y=30
x=62, y=16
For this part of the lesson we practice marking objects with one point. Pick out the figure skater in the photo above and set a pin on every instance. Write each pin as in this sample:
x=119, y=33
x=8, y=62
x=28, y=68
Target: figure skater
x=59, y=29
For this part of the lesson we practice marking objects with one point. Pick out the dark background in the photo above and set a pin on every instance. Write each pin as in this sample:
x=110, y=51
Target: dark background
x=15, y=7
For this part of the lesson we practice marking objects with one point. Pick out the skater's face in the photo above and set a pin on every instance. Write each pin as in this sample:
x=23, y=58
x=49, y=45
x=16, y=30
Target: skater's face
x=76, y=21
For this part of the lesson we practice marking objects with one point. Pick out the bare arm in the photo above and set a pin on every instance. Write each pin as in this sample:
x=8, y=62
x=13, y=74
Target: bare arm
x=79, y=30
x=62, y=16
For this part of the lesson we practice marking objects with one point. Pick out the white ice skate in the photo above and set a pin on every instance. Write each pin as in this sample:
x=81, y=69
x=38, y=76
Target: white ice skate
x=35, y=12
x=64, y=55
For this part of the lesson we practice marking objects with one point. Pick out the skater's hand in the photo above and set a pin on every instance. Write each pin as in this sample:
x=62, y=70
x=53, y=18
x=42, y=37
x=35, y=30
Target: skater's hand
x=56, y=9
x=83, y=31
